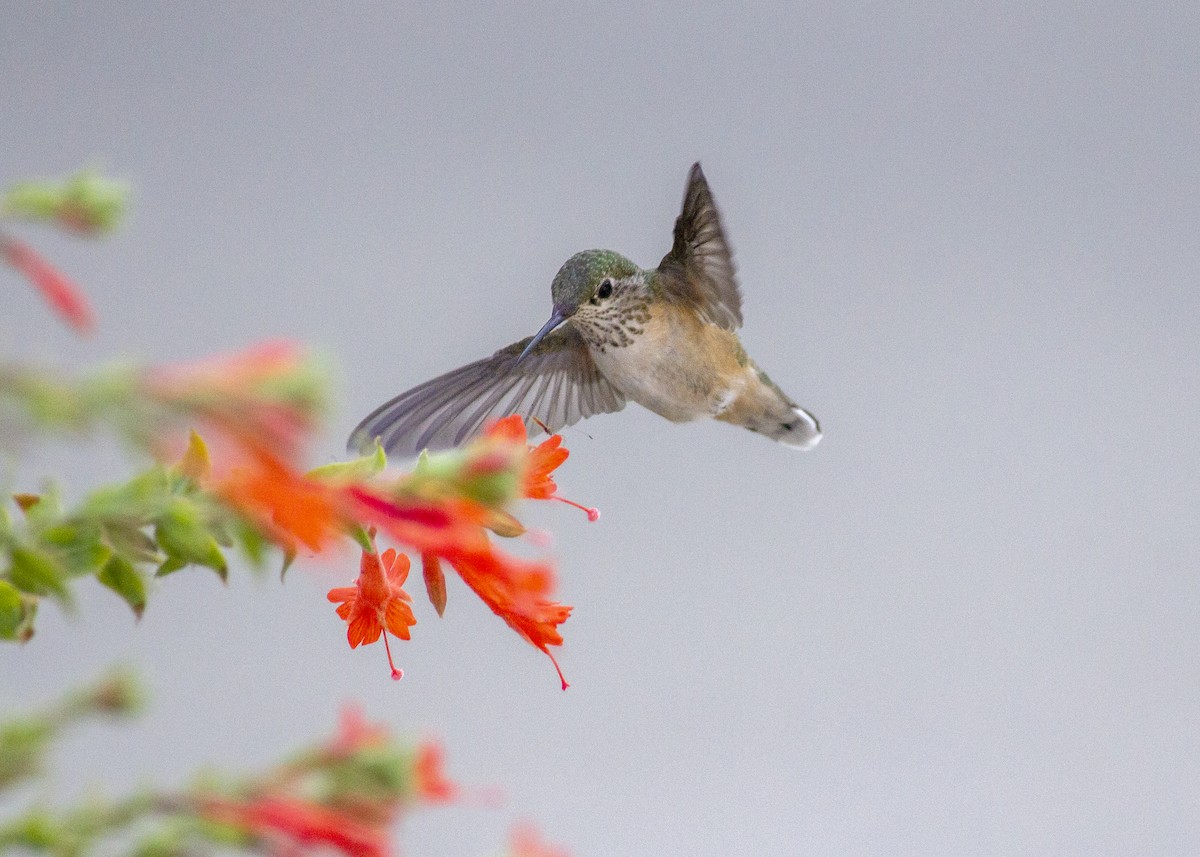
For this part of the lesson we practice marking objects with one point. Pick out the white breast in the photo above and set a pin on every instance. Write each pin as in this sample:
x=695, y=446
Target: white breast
x=670, y=371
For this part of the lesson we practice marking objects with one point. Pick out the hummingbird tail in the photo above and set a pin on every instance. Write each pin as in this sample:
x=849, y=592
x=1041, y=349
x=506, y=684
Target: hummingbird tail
x=766, y=409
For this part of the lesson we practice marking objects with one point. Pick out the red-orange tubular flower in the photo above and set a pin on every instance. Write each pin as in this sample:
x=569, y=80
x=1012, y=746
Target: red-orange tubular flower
x=517, y=591
x=264, y=398
x=355, y=734
x=429, y=775
x=542, y=460
x=59, y=291
x=283, y=504
x=442, y=512
x=526, y=841
x=302, y=826
x=377, y=604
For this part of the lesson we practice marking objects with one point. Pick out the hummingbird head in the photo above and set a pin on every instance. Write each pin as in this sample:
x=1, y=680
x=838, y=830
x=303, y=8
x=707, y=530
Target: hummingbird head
x=586, y=280
x=581, y=279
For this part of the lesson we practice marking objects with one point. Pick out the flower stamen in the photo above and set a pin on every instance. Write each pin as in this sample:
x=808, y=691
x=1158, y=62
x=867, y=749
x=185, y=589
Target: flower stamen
x=593, y=514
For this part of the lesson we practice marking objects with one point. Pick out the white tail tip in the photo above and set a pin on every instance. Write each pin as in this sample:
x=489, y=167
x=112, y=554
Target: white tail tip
x=804, y=432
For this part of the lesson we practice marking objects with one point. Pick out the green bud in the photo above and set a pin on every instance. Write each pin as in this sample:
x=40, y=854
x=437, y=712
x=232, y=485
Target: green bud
x=36, y=830
x=23, y=744
x=354, y=470
x=94, y=203
x=117, y=693
x=86, y=202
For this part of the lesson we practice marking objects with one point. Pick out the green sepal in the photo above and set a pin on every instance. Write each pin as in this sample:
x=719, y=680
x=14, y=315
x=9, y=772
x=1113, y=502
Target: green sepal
x=379, y=773
x=353, y=470
x=363, y=538
x=456, y=472
x=252, y=542
x=289, y=557
x=121, y=577
x=36, y=572
x=493, y=489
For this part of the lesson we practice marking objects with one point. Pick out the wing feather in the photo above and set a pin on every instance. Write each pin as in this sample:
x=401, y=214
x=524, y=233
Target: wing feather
x=699, y=269
x=557, y=383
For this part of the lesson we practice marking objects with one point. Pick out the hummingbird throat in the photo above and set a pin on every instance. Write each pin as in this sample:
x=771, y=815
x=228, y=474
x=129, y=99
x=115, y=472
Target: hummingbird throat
x=616, y=322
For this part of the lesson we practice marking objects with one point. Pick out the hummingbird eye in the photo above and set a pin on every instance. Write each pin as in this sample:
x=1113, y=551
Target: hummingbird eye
x=605, y=289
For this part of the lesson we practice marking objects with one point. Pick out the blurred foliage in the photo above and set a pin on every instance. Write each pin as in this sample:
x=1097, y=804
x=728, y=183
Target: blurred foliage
x=344, y=793
x=239, y=488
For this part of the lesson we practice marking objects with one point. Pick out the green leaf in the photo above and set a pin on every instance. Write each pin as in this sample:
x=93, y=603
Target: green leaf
x=121, y=577
x=170, y=565
x=37, y=573
x=14, y=612
x=141, y=498
x=253, y=544
x=184, y=536
x=78, y=545
x=354, y=470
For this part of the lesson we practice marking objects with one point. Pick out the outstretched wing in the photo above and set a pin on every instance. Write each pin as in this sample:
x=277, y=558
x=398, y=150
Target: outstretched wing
x=557, y=383
x=699, y=269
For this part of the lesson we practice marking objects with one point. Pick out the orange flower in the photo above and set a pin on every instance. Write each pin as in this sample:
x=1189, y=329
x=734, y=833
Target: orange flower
x=306, y=825
x=285, y=504
x=262, y=398
x=525, y=841
x=432, y=784
x=62, y=294
x=430, y=527
x=537, y=483
x=377, y=603
x=516, y=592
x=541, y=461
x=511, y=428
x=355, y=734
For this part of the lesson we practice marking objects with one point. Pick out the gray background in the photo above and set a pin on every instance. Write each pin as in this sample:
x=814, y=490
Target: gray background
x=967, y=237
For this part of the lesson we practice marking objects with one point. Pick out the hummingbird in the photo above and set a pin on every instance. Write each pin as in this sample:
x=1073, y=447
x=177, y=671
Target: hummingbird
x=665, y=338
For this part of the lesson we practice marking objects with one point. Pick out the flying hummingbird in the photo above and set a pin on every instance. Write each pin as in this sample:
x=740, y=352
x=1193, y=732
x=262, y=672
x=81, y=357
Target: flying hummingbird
x=664, y=338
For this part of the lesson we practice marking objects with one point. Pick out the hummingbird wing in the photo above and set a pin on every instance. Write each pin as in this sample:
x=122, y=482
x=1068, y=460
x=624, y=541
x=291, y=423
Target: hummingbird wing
x=557, y=383
x=699, y=269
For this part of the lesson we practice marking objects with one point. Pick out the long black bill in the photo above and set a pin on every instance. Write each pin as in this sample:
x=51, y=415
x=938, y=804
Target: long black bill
x=557, y=318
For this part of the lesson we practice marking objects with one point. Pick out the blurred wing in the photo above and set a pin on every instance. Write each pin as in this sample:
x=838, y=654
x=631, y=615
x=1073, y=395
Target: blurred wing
x=699, y=269
x=557, y=383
